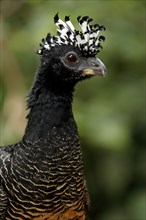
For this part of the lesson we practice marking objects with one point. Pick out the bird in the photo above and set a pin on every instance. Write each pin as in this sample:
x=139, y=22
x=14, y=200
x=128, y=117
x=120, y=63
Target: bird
x=42, y=176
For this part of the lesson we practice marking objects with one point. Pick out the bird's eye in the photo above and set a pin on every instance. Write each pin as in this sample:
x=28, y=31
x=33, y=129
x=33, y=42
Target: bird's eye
x=71, y=58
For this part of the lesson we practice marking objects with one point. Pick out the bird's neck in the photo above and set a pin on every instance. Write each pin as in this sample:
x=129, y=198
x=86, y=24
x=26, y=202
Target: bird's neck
x=50, y=112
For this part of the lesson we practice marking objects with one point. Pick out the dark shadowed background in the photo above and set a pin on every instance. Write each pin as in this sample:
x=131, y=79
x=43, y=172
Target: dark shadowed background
x=109, y=111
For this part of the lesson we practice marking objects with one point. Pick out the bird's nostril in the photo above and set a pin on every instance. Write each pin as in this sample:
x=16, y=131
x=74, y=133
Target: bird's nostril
x=95, y=64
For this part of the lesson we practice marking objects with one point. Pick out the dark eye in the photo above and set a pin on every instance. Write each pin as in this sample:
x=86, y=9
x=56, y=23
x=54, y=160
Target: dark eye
x=71, y=58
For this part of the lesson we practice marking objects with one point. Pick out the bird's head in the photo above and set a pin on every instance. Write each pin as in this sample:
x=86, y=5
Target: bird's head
x=72, y=53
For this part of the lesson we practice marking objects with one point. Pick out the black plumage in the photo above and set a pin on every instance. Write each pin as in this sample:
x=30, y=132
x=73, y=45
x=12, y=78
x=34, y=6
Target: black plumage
x=42, y=177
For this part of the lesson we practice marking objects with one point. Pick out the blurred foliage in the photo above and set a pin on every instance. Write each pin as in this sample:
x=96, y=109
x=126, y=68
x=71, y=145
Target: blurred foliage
x=109, y=111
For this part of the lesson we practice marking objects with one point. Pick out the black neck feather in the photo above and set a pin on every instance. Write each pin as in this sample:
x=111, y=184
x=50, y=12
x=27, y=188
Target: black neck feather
x=50, y=104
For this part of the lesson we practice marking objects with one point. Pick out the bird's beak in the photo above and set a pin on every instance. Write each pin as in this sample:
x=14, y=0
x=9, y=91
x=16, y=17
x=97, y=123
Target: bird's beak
x=94, y=67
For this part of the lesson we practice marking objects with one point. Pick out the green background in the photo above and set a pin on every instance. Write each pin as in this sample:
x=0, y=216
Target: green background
x=109, y=111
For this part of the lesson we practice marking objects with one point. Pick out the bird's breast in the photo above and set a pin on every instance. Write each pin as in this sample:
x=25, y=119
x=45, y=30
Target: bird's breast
x=47, y=187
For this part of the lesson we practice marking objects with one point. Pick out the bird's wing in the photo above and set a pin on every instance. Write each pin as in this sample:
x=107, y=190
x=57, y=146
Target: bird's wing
x=3, y=201
x=7, y=148
x=4, y=162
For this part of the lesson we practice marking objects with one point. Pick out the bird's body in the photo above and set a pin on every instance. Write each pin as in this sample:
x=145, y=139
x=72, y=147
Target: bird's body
x=48, y=161
x=42, y=177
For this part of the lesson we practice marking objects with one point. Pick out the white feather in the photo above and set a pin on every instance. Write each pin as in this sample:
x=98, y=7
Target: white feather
x=47, y=46
x=87, y=39
x=60, y=22
x=70, y=25
x=84, y=26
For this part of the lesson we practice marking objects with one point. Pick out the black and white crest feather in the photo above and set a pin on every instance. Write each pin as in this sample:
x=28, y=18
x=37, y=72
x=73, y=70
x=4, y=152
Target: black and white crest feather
x=87, y=40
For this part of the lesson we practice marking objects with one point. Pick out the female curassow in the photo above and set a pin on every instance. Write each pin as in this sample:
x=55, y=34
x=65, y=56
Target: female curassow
x=41, y=177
